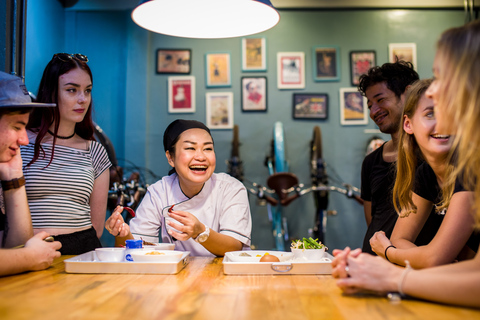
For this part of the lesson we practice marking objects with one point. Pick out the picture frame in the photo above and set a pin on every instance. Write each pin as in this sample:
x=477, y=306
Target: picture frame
x=290, y=70
x=404, y=51
x=360, y=63
x=310, y=106
x=173, y=61
x=254, y=54
x=353, y=107
x=326, y=63
x=218, y=71
x=254, y=94
x=219, y=110
x=181, y=94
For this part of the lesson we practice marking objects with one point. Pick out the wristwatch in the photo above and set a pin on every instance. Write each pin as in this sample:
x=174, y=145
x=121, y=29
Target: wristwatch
x=202, y=237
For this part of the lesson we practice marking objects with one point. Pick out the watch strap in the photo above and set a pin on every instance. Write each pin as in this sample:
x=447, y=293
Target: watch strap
x=13, y=184
x=206, y=232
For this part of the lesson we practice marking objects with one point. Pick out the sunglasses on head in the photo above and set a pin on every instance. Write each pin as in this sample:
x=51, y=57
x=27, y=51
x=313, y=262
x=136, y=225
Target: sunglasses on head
x=65, y=57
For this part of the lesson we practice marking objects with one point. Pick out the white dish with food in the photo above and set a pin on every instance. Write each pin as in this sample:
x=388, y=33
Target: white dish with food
x=159, y=246
x=256, y=255
x=156, y=255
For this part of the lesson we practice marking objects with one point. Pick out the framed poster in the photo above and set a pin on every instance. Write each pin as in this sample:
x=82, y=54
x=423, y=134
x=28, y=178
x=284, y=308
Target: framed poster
x=353, y=107
x=219, y=110
x=403, y=51
x=326, y=63
x=181, y=94
x=310, y=105
x=254, y=55
x=218, y=70
x=360, y=63
x=174, y=61
x=254, y=94
x=291, y=70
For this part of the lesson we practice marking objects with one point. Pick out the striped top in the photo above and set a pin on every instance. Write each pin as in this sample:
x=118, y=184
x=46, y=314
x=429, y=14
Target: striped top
x=59, y=195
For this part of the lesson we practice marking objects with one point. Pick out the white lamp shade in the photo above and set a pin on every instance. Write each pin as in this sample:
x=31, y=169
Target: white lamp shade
x=206, y=19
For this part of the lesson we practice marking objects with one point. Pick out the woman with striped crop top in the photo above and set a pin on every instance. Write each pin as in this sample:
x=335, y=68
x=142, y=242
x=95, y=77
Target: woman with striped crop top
x=66, y=171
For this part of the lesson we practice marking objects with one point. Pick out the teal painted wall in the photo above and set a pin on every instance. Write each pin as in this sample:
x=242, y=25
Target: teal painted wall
x=131, y=99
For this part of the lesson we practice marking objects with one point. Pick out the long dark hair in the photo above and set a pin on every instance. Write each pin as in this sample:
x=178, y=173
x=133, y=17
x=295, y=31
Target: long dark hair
x=42, y=118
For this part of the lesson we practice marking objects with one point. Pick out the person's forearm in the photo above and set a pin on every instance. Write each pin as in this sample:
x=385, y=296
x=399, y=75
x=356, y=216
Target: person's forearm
x=219, y=244
x=18, y=217
x=14, y=261
x=457, y=283
x=419, y=257
x=402, y=243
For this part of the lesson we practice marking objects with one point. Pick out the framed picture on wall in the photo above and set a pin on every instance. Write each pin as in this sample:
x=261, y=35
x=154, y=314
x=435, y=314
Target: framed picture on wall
x=360, y=63
x=326, y=63
x=254, y=56
x=291, y=70
x=219, y=110
x=403, y=51
x=218, y=73
x=310, y=105
x=254, y=94
x=174, y=61
x=353, y=107
x=181, y=94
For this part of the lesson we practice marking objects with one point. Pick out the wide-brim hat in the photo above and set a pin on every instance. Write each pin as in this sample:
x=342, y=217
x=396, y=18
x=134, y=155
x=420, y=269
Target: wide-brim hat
x=14, y=93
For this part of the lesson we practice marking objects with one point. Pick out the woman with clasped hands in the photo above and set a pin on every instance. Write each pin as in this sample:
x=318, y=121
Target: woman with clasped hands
x=456, y=96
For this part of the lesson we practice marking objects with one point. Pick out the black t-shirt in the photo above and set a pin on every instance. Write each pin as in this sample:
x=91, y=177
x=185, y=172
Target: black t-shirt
x=378, y=178
x=426, y=186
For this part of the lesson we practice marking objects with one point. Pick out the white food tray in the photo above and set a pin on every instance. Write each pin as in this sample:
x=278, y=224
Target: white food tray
x=292, y=266
x=89, y=263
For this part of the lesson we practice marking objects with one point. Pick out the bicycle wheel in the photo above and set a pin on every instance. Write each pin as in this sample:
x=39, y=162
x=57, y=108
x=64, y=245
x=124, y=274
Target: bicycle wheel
x=235, y=167
x=235, y=142
x=279, y=148
x=319, y=176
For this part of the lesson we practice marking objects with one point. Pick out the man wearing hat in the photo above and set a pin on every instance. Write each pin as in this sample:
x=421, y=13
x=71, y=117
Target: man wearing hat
x=15, y=221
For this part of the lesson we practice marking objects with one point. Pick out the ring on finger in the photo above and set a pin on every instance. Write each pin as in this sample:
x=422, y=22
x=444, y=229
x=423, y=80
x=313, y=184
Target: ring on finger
x=347, y=269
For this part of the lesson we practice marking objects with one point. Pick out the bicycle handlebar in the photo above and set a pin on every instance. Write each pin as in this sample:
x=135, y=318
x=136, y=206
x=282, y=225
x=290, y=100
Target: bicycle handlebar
x=261, y=191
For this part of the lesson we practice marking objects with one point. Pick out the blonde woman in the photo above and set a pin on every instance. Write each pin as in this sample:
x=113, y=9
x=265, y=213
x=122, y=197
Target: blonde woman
x=425, y=209
x=456, y=96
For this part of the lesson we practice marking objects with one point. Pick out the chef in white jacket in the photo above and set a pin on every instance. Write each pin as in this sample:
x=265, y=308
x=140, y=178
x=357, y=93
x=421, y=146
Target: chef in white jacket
x=200, y=211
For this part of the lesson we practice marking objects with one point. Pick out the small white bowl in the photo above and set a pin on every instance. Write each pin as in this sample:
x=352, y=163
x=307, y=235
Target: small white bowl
x=156, y=255
x=308, y=254
x=159, y=246
x=110, y=254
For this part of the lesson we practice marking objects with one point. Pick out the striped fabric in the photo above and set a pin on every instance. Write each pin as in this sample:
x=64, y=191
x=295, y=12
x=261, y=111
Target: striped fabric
x=59, y=195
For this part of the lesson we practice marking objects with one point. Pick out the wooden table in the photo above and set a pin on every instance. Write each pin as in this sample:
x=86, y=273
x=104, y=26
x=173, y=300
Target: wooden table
x=199, y=291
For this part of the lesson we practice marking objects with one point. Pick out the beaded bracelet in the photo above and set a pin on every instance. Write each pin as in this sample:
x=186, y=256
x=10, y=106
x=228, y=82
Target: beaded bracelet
x=408, y=267
x=390, y=246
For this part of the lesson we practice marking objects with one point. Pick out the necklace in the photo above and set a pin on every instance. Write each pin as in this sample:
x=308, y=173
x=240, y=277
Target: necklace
x=62, y=137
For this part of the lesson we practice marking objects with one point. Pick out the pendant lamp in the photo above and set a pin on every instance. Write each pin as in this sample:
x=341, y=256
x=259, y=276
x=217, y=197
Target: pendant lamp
x=206, y=19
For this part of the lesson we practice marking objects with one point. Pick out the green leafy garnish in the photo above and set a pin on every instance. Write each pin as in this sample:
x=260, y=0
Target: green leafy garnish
x=309, y=243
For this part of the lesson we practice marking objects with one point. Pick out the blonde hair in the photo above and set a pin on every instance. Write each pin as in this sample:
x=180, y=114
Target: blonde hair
x=458, y=58
x=408, y=153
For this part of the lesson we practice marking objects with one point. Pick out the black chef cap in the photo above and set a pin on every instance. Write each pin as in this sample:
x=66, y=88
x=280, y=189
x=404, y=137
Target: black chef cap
x=175, y=129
